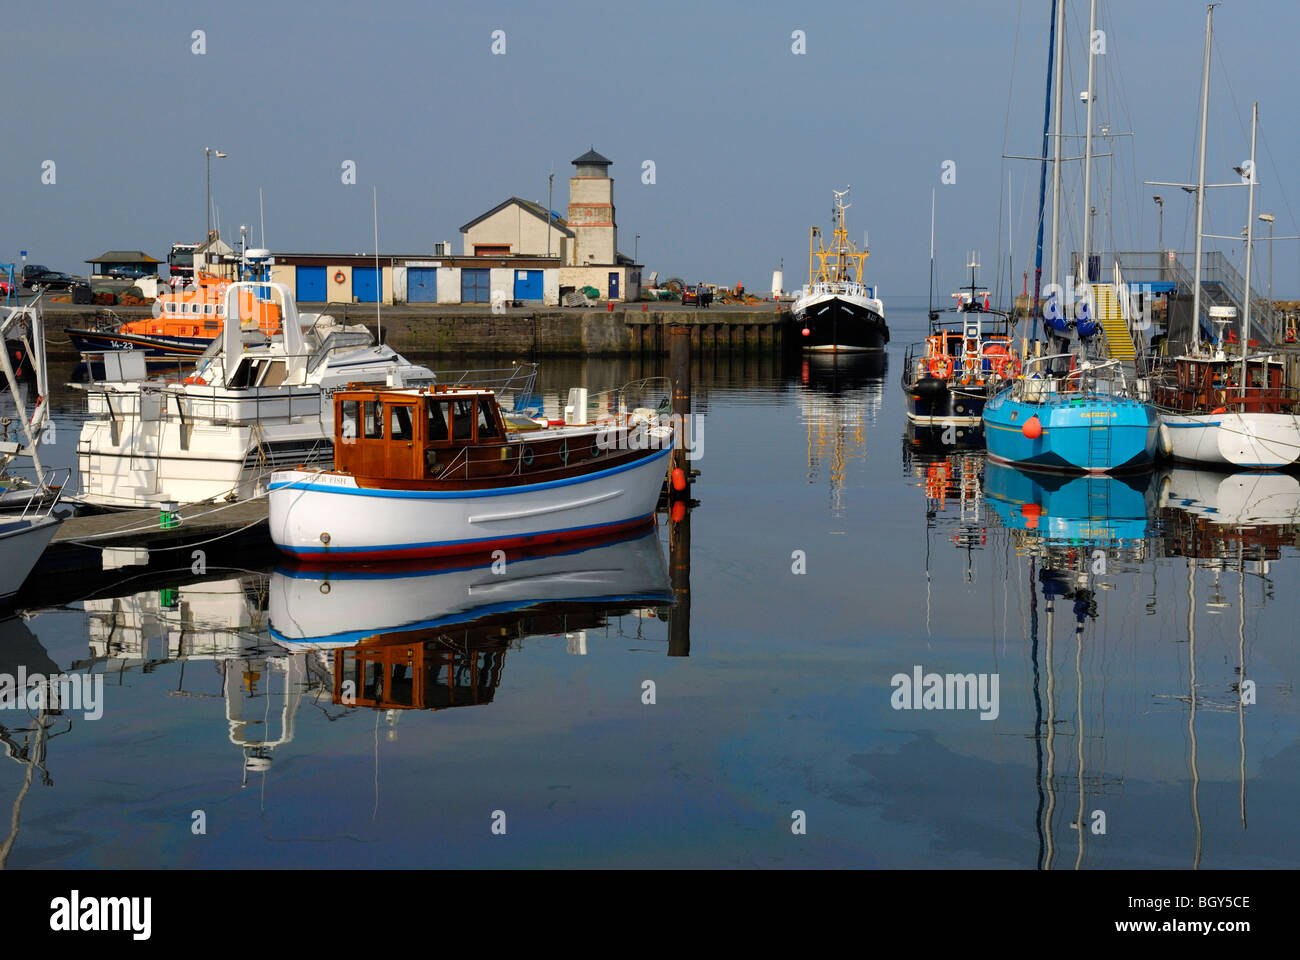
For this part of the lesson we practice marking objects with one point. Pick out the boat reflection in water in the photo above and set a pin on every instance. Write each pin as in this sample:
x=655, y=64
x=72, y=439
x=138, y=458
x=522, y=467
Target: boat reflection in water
x=840, y=395
x=219, y=623
x=1235, y=525
x=1055, y=509
x=954, y=498
x=1077, y=534
x=430, y=635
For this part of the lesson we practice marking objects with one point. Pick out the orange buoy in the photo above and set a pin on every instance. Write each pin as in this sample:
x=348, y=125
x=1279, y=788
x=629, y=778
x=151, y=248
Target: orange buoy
x=1033, y=428
x=806, y=331
x=1219, y=410
x=679, y=512
x=198, y=380
x=679, y=479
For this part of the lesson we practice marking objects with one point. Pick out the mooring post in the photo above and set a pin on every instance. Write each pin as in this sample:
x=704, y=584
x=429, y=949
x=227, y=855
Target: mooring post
x=679, y=362
x=679, y=560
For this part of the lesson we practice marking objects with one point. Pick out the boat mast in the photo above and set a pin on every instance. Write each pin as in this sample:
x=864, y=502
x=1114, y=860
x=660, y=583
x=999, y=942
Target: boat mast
x=1250, y=241
x=1054, y=277
x=1042, y=170
x=1087, y=160
x=931, y=310
x=1200, y=180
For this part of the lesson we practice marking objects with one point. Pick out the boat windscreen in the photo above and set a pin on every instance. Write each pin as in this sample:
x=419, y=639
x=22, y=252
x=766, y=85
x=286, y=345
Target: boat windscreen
x=336, y=342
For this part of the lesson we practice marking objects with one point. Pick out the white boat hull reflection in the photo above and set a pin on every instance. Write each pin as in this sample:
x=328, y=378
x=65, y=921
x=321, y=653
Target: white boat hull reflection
x=334, y=606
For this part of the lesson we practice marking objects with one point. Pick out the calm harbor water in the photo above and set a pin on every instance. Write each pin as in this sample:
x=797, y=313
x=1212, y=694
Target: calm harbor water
x=1124, y=623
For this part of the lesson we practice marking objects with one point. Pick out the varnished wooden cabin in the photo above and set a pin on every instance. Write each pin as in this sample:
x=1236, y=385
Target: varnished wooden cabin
x=1205, y=385
x=456, y=437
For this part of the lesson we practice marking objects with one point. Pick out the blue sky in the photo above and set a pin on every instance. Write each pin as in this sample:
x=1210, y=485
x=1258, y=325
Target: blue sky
x=747, y=137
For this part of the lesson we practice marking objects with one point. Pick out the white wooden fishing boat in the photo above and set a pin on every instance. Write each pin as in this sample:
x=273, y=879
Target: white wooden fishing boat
x=440, y=471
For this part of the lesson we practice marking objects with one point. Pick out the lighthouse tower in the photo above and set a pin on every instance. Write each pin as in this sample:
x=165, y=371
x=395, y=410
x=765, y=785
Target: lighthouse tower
x=591, y=212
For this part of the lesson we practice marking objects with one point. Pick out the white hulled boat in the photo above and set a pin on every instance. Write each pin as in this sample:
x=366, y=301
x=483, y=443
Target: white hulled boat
x=253, y=404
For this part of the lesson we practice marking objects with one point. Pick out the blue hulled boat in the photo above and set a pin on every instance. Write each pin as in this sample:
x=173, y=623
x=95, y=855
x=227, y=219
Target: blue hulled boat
x=1087, y=420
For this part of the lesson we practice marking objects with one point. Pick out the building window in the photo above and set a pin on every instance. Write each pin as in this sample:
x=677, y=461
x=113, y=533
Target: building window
x=491, y=249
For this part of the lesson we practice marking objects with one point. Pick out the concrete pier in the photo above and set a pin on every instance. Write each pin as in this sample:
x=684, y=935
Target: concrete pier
x=631, y=328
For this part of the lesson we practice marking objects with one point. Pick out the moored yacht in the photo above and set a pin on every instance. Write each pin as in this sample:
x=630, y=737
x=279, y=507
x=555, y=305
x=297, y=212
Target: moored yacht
x=1210, y=414
x=253, y=403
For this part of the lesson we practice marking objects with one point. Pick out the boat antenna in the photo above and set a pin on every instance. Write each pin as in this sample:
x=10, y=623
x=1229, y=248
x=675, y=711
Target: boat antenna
x=261, y=219
x=931, y=253
x=379, y=277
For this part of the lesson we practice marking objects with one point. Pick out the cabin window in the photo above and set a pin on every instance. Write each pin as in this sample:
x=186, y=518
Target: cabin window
x=487, y=424
x=437, y=427
x=400, y=426
x=374, y=420
x=462, y=423
x=273, y=374
x=351, y=415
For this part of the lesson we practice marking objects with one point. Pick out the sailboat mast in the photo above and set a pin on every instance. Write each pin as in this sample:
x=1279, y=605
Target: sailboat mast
x=1087, y=153
x=1250, y=242
x=1200, y=180
x=931, y=250
x=1042, y=171
x=1055, y=276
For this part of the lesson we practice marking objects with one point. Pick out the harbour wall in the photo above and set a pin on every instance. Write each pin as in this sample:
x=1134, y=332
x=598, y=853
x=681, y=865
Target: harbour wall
x=520, y=332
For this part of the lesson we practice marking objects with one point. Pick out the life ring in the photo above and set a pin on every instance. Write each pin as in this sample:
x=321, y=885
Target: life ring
x=338, y=276
x=940, y=367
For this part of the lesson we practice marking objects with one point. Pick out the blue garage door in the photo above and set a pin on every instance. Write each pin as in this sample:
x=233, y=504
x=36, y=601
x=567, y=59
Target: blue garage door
x=421, y=284
x=364, y=287
x=311, y=284
x=474, y=286
x=528, y=284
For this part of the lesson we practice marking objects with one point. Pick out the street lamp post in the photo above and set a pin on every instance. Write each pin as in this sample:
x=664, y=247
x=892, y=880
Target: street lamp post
x=208, y=154
x=636, y=241
x=1269, y=218
x=550, y=185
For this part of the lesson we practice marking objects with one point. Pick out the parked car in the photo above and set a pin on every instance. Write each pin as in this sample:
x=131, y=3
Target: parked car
x=127, y=273
x=693, y=293
x=42, y=279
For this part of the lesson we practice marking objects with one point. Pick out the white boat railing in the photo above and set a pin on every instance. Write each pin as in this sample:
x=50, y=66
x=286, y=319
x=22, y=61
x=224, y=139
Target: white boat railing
x=1088, y=377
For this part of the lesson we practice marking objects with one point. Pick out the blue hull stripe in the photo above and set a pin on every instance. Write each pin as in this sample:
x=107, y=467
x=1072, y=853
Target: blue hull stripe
x=466, y=494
